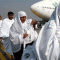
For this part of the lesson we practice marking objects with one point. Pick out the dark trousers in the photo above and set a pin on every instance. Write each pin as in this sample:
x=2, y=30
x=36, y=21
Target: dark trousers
x=18, y=54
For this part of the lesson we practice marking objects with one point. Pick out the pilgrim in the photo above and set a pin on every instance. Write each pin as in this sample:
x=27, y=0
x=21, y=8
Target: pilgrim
x=47, y=42
x=5, y=28
x=21, y=33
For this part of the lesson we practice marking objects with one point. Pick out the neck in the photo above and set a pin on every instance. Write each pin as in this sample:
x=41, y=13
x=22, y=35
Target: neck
x=10, y=19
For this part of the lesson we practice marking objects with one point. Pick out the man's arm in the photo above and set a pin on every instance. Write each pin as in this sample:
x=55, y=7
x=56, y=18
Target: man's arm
x=33, y=22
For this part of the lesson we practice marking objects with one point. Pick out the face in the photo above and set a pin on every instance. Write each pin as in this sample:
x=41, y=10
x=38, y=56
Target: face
x=11, y=16
x=33, y=22
x=0, y=17
x=23, y=19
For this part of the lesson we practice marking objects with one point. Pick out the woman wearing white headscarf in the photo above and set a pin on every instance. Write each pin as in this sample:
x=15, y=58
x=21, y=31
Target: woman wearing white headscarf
x=21, y=33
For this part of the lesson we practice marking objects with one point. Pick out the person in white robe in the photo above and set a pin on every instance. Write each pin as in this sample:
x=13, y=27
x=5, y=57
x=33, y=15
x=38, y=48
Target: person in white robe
x=5, y=28
x=46, y=46
x=58, y=30
x=47, y=42
x=21, y=32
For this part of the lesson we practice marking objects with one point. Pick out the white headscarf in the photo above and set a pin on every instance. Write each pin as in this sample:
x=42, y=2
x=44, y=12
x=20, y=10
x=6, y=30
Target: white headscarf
x=20, y=14
x=15, y=32
x=47, y=46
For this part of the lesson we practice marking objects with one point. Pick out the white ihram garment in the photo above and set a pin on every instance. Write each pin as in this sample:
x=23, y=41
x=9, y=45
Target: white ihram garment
x=17, y=30
x=6, y=24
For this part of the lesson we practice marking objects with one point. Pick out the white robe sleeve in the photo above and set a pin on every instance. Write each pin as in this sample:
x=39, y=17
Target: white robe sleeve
x=34, y=35
x=42, y=44
x=53, y=42
x=15, y=38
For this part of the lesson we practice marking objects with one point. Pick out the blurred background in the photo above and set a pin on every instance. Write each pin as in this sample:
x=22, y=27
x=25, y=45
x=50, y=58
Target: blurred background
x=17, y=5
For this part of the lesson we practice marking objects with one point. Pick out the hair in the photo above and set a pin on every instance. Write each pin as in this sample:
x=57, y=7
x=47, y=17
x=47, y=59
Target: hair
x=10, y=13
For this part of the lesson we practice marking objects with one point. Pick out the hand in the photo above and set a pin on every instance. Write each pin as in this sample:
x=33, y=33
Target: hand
x=25, y=35
x=33, y=22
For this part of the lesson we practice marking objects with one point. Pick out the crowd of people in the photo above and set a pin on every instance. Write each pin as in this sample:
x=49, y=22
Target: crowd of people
x=21, y=40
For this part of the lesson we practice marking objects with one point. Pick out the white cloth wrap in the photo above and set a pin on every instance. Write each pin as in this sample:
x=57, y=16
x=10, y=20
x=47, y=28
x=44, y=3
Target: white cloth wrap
x=5, y=28
x=47, y=40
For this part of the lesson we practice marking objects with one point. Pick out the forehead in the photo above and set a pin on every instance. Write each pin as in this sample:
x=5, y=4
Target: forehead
x=23, y=17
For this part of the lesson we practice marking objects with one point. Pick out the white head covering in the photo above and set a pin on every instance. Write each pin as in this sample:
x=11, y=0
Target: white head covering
x=47, y=46
x=15, y=31
x=20, y=14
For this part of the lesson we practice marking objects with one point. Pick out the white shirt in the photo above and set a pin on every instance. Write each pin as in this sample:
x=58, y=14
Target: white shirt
x=6, y=24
